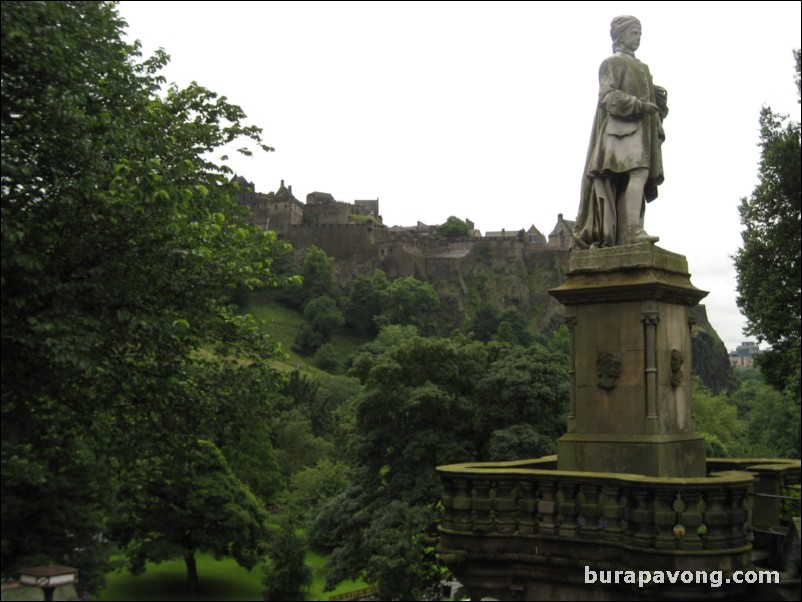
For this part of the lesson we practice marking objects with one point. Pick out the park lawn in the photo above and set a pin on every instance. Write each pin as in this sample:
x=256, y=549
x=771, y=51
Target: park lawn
x=219, y=580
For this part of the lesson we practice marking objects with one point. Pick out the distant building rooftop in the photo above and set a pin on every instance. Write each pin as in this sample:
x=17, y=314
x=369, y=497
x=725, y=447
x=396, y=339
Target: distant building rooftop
x=742, y=357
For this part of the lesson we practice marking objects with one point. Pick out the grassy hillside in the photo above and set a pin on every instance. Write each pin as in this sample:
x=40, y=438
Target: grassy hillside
x=281, y=323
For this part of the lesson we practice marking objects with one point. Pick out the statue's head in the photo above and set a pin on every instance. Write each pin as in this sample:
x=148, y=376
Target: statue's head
x=622, y=28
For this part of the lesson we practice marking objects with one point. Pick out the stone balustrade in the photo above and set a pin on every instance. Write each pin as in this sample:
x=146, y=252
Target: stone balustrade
x=532, y=498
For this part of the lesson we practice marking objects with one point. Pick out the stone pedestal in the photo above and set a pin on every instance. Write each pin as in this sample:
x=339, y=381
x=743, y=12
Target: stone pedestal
x=628, y=310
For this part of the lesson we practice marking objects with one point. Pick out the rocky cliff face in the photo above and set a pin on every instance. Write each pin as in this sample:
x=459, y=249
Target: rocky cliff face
x=506, y=273
x=711, y=361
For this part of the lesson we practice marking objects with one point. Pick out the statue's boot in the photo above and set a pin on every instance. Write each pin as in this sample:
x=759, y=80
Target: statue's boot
x=636, y=234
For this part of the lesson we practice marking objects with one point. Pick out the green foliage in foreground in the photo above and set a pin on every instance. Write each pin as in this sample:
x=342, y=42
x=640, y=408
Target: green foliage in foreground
x=769, y=263
x=121, y=245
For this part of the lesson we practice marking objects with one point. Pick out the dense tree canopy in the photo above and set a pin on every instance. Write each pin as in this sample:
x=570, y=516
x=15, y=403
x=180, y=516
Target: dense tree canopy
x=121, y=244
x=754, y=420
x=769, y=263
x=428, y=402
x=408, y=301
x=771, y=418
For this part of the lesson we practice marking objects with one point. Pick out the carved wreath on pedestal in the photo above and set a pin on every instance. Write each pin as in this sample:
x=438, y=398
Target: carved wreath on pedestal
x=608, y=368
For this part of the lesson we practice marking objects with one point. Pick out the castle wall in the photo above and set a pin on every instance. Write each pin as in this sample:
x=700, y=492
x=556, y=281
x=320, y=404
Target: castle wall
x=335, y=212
x=400, y=253
x=345, y=242
x=271, y=213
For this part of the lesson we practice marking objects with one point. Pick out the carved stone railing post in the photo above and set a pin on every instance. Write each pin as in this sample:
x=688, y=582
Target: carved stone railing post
x=665, y=518
x=547, y=508
x=504, y=505
x=642, y=519
x=691, y=519
x=462, y=506
x=738, y=517
x=612, y=513
x=716, y=520
x=482, y=506
x=590, y=511
x=568, y=510
x=527, y=507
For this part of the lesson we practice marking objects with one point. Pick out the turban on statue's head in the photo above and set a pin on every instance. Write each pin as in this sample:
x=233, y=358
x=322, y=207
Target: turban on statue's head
x=620, y=24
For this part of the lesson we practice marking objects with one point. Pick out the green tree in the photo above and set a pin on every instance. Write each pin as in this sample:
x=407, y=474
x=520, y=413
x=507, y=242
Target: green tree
x=328, y=358
x=772, y=426
x=326, y=402
x=296, y=446
x=415, y=413
x=521, y=387
x=454, y=227
x=427, y=402
x=717, y=420
x=490, y=323
x=518, y=442
x=316, y=278
x=409, y=302
x=321, y=319
x=121, y=245
x=518, y=328
x=317, y=274
x=769, y=262
x=504, y=334
x=251, y=456
x=484, y=323
x=190, y=504
x=313, y=487
x=285, y=572
x=366, y=297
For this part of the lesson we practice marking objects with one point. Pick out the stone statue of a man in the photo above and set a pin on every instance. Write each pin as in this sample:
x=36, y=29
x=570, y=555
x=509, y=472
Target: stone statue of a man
x=624, y=164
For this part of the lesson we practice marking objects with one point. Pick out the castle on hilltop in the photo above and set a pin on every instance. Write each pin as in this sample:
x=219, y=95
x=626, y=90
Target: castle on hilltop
x=280, y=210
x=508, y=268
x=355, y=232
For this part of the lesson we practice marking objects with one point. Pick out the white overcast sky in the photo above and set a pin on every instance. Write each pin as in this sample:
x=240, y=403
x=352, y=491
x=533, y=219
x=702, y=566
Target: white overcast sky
x=483, y=110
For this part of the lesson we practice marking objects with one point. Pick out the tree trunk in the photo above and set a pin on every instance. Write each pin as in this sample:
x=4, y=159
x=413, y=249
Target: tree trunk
x=192, y=570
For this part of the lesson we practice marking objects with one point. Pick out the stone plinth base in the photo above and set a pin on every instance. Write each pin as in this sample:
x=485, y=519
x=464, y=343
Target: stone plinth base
x=628, y=311
x=653, y=455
